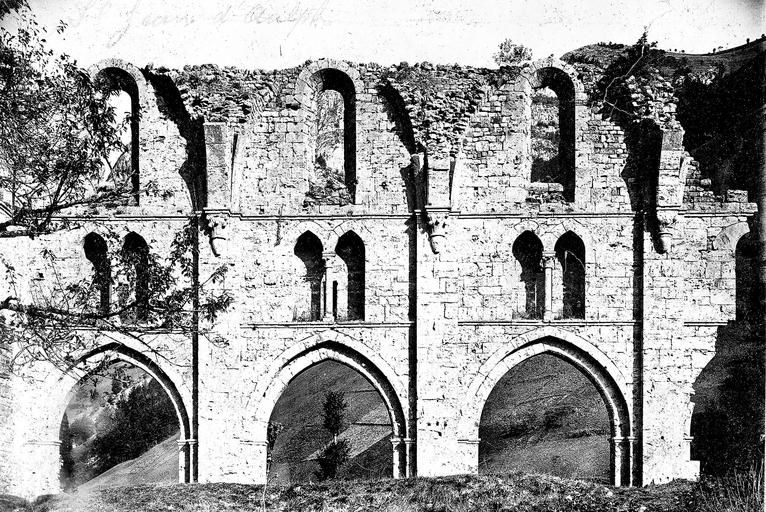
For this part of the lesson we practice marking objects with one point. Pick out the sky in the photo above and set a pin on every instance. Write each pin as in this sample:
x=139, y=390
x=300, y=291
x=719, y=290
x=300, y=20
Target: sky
x=272, y=34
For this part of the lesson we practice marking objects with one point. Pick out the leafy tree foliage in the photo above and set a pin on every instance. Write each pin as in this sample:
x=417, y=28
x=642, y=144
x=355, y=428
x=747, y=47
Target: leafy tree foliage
x=335, y=406
x=142, y=418
x=58, y=130
x=56, y=127
x=337, y=452
x=510, y=54
x=334, y=456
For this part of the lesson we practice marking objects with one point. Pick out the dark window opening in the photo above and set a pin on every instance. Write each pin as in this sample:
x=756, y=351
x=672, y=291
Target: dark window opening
x=309, y=249
x=746, y=275
x=553, y=132
x=135, y=254
x=351, y=250
x=570, y=252
x=96, y=252
x=528, y=251
x=123, y=161
x=333, y=148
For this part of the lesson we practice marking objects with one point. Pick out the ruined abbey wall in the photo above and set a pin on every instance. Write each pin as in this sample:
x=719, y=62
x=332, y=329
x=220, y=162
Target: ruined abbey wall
x=441, y=191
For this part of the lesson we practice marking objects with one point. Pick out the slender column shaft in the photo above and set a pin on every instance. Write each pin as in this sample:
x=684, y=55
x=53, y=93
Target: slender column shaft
x=548, y=267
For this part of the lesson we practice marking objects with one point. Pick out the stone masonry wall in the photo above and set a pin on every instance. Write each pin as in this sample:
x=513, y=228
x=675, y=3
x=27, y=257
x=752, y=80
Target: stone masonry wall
x=444, y=189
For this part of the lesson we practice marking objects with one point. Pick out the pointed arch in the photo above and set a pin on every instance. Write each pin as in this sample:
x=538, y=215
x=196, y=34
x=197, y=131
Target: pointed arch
x=311, y=355
x=309, y=249
x=97, y=252
x=570, y=253
x=135, y=254
x=350, y=248
x=528, y=251
x=590, y=361
x=66, y=387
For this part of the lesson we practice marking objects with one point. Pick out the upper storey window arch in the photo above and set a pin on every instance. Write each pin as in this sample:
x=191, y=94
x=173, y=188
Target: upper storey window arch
x=553, y=125
x=747, y=293
x=329, y=113
x=97, y=252
x=122, y=163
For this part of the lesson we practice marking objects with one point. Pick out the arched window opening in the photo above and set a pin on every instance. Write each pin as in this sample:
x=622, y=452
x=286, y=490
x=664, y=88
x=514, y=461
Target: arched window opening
x=120, y=426
x=333, y=144
x=528, y=251
x=122, y=162
x=350, y=249
x=96, y=252
x=570, y=252
x=545, y=416
x=299, y=435
x=135, y=255
x=746, y=272
x=553, y=131
x=309, y=249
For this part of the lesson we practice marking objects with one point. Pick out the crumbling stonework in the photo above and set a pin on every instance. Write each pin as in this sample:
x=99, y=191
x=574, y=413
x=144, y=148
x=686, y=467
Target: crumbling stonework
x=442, y=190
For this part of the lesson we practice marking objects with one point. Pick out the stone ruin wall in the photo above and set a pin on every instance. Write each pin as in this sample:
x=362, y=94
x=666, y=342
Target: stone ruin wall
x=435, y=324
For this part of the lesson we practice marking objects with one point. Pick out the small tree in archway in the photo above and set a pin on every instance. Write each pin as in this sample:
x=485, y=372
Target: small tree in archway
x=336, y=453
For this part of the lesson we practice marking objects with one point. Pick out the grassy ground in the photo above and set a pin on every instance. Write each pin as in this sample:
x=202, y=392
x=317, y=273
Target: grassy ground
x=516, y=492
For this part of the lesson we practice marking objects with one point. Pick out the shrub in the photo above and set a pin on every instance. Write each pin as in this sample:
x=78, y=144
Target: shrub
x=332, y=458
x=739, y=491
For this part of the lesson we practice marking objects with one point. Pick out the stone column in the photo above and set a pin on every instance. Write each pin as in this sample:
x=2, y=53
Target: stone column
x=409, y=455
x=192, y=458
x=470, y=452
x=183, y=453
x=616, y=450
x=548, y=264
x=621, y=449
x=331, y=262
x=633, y=478
x=396, y=447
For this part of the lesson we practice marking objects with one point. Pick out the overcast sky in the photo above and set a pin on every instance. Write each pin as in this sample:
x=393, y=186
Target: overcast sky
x=280, y=33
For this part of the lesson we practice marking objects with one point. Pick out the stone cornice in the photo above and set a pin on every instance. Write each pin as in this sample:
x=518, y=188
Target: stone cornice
x=524, y=322
x=326, y=325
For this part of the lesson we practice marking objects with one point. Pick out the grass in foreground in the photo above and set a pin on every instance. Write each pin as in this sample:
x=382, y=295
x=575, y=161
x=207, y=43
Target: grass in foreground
x=514, y=492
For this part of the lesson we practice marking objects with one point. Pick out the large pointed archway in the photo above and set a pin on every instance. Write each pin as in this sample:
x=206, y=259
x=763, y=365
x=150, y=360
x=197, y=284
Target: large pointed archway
x=374, y=370
x=602, y=373
x=59, y=389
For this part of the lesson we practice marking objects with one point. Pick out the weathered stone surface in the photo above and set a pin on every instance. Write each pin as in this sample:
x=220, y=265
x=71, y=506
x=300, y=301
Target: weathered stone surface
x=440, y=327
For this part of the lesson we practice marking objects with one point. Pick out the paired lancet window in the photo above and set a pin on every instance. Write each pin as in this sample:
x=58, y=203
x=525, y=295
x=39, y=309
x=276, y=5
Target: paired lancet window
x=135, y=285
x=335, y=281
x=552, y=284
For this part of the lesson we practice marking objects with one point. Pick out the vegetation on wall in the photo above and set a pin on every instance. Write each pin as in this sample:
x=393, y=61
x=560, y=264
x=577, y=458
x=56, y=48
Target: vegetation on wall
x=57, y=128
